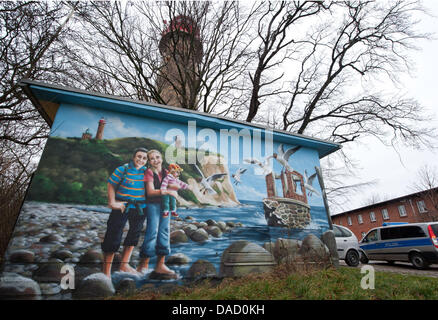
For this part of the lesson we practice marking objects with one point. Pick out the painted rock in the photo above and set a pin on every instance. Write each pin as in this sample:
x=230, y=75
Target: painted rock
x=14, y=286
x=22, y=256
x=178, y=236
x=244, y=257
x=199, y=235
x=201, y=269
x=313, y=250
x=96, y=285
x=178, y=258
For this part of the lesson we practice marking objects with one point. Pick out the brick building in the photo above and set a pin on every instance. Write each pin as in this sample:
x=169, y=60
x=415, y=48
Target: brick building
x=416, y=207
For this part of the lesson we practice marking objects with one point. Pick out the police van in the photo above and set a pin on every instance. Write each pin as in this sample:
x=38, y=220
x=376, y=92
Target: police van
x=413, y=242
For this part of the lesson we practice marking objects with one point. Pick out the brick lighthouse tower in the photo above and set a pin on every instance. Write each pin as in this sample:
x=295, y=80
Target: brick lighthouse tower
x=181, y=49
x=99, y=134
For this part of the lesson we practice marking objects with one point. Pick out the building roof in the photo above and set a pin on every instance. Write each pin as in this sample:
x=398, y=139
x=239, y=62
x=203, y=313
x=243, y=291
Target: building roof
x=47, y=98
x=378, y=204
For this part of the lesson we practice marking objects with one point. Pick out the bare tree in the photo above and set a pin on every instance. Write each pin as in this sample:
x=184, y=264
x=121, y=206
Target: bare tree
x=426, y=184
x=334, y=67
x=133, y=59
x=28, y=36
x=307, y=67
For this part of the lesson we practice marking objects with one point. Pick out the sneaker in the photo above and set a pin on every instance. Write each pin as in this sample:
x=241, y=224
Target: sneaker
x=174, y=214
x=165, y=214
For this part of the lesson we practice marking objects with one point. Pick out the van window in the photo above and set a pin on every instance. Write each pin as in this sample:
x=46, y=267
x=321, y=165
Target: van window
x=402, y=232
x=390, y=233
x=412, y=232
x=372, y=236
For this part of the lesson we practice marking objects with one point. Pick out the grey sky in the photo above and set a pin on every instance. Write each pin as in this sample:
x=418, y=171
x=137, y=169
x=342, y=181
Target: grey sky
x=396, y=170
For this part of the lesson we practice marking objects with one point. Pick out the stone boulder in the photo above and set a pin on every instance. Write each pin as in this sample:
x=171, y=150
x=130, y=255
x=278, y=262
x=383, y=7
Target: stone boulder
x=178, y=259
x=189, y=229
x=201, y=269
x=214, y=231
x=92, y=259
x=230, y=224
x=269, y=246
x=211, y=222
x=49, y=271
x=178, y=236
x=313, y=250
x=243, y=257
x=222, y=225
x=22, y=256
x=162, y=276
x=62, y=254
x=94, y=286
x=82, y=272
x=200, y=235
x=13, y=286
x=286, y=250
x=51, y=238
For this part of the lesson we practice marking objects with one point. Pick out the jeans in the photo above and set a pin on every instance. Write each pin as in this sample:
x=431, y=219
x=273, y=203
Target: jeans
x=168, y=203
x=114, y=231
x=156, y=239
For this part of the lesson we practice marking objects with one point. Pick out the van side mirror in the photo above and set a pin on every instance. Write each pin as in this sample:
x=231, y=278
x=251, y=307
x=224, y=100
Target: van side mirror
x=364, y=240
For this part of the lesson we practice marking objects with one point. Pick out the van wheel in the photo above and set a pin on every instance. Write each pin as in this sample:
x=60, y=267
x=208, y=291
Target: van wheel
x=363, y=258
x=418, y=261
x=352, y=258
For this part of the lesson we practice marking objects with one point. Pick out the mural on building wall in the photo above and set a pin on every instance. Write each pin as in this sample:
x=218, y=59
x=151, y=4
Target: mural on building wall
x=228, y=201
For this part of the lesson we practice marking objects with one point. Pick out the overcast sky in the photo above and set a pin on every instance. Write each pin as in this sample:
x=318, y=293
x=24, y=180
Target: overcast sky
x=396, y=172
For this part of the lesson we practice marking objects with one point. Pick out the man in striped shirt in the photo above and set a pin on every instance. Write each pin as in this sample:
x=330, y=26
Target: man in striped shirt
x=126, y=198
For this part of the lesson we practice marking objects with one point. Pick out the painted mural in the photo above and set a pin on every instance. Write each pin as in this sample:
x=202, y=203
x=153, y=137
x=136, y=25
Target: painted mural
x=150, y=202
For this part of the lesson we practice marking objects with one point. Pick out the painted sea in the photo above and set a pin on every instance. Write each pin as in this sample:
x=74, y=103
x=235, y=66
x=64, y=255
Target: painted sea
x=254, y=229
x=79, y=228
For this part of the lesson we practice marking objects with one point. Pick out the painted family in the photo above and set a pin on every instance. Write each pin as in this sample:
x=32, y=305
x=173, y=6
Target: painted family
x=142, y=190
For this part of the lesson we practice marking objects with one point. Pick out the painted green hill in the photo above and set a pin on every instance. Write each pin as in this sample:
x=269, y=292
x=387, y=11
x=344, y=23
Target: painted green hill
x=72, y=170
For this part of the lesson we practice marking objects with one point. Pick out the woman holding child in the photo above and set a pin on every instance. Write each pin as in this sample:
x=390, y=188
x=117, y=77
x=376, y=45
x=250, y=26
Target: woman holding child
x=156, y=241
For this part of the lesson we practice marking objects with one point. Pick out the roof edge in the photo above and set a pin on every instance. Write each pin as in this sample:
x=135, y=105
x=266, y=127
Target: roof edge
x=26, y=83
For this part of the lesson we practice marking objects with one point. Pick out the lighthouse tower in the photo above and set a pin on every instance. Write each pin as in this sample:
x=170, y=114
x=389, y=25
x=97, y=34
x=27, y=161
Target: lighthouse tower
x=99, y=134
x=181, y=49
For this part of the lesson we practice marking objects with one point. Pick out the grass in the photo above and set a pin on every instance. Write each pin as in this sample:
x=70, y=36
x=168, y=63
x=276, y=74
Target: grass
x=286, y=284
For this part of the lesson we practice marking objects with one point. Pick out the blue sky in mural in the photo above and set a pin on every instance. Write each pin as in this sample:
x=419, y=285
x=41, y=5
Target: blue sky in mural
x=72, y=121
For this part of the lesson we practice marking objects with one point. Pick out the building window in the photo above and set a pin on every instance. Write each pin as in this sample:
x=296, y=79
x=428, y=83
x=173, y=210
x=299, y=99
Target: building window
x=402, y=211
x=372, y=216
x=421, y=206
x=349, y=221
x=385, y=214
x=359, y=219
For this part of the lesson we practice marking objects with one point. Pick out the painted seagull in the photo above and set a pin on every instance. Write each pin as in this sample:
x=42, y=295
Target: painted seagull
x=283, y=157
x=308, y=183
x=207, y=182
x=236, y=176
x=265, y=165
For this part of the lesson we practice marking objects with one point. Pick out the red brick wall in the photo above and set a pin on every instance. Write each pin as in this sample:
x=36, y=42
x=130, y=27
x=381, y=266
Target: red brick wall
x=412, y=211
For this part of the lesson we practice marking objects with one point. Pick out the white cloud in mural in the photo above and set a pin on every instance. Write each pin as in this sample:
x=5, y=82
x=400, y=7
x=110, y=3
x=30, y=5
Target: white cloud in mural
x=250, y=193
x=116, y=128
